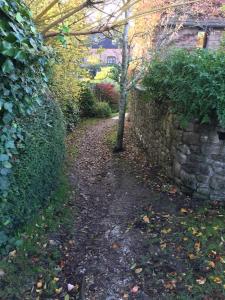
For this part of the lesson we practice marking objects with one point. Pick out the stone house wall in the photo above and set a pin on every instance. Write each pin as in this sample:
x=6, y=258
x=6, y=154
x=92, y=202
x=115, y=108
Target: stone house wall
x=193, y=157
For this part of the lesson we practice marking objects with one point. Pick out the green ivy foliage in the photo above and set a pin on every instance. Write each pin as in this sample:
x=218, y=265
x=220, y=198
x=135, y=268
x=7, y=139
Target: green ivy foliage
x=36, y=170
x=191, y=83
x=22, y=79
x=31, y=124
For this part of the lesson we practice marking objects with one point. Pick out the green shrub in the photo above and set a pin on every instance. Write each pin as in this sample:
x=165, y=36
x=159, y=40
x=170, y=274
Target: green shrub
x=71, y=112
x=86, y=101
x=191, y=83
x=102, y=110
x=37, y=167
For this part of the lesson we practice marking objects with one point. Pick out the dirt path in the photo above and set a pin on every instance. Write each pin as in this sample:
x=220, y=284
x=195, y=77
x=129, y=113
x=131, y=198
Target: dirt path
x=117, y=254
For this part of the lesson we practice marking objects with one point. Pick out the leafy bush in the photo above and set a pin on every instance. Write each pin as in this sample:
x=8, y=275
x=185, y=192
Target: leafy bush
x=65, y=83
x=102, y=110
x=105, y=73
x=107, y=92
x=191, y=83
x=71, y=112
x=86, y=101
x=31, y=127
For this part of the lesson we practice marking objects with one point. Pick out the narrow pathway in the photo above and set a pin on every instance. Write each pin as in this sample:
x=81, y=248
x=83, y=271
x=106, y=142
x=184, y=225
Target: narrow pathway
x=109, y=241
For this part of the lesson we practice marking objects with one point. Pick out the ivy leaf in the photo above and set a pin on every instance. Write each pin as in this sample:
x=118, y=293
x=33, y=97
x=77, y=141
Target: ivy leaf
x=7, y=165
x=10, y=145
x=3, y=238
x=8, y=66
x=4, y=157
x=19, y=18
x=8, y=106
x=7, y=49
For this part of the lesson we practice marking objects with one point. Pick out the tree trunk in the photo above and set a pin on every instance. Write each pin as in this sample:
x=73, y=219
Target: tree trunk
x=123, y=87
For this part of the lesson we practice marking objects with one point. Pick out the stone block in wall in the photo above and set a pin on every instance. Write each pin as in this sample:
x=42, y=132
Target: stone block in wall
x=217, y=183
x=217, y=196
x=184, y=149
x=176, y=169
x=191, y=138
x=180, y=157
x=202, y=178
x=218, y=158
x=211, y=148
x=188, y=180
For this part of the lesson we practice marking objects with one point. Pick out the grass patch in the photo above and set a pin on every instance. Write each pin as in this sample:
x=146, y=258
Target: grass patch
x=37, y=256
x=110, y=137
x=190, y=247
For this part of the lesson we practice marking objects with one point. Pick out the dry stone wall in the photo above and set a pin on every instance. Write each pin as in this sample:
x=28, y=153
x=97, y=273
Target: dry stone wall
x=193, y=157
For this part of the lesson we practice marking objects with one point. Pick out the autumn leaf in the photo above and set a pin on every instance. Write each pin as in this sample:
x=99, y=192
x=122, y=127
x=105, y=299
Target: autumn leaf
x=40, y=284
x=58, y=291
x=183, y=210
x=211, y=264
x=197, y=246
x=146, y=219
x=138, y=270
x=135, y=289
x=192, y=256
x=201, y=280
x=166, y=230
x=163, y=246
x=170, y=285
x=217, y=280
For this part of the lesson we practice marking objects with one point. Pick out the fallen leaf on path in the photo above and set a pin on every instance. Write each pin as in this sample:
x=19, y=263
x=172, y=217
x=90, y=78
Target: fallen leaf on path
x=59, y=290
x=115, y=246
x=212, y=264
x=70, y=287
x=184, y=210
x=191, y=256
x=163, y=246
x=40, y=284
x=217, y=280
x=135, y=289
x=12, y=253
x=201, y=280
x=146, y=219
x=125, y=296
x=166, y=230
x=138, y=270
x=170, y=285
x=197, y=246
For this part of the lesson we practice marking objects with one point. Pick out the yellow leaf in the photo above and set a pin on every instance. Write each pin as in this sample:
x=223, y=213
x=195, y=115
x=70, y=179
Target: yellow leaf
x=183, y=210
x=165, y=231
x=163, y=246
x=185, y=238
x=191, y=256
x=58, y=291
x=217, y=280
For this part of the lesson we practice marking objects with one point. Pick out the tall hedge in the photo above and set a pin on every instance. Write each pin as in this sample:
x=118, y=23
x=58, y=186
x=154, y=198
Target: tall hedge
x=31, y=125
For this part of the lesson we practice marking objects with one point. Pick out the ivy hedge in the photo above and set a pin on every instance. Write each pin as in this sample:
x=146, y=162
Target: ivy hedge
x=192, y=83
x=31, y=125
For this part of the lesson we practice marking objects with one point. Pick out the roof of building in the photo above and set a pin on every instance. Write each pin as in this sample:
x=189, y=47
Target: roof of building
x=214, y=23
x=103, y=42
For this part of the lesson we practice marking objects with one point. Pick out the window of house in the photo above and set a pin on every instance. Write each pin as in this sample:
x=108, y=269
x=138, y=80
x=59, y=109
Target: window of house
x=111, y=60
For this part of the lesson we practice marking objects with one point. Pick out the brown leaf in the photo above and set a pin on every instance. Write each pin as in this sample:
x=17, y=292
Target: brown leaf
x=146, y=219
x=170, y=285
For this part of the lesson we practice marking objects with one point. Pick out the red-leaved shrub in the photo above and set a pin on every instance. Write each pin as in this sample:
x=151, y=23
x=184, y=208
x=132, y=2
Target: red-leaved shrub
x=107, y=92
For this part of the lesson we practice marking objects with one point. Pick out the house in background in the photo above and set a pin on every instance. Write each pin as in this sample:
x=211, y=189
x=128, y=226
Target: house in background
x=105, y=51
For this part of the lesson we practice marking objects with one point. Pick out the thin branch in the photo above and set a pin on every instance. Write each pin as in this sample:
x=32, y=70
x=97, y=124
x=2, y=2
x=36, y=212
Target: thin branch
x=87, y=3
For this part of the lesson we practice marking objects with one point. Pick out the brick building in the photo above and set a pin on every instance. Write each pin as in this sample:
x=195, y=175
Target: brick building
x=191, y=33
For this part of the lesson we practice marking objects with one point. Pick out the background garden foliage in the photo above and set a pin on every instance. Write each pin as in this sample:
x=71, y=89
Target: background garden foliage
x=192, y=83
x=31, y=126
